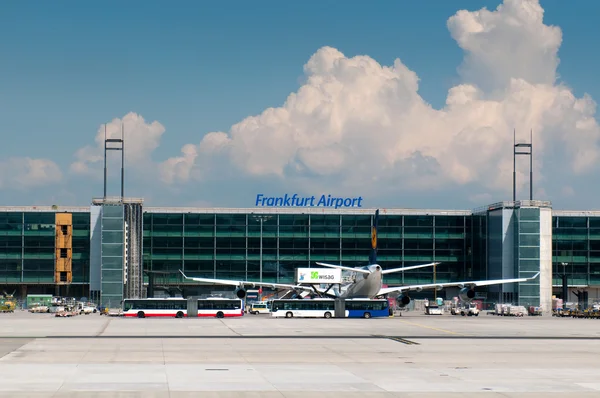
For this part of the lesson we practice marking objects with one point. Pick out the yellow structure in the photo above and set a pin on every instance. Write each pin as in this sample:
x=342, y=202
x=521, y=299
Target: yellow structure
x=63, y=255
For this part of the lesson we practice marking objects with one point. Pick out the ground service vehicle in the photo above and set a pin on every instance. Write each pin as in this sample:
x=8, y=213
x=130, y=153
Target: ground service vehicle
x=470, y=310
x=325, y=308
x=177, y=307
x=259, y=308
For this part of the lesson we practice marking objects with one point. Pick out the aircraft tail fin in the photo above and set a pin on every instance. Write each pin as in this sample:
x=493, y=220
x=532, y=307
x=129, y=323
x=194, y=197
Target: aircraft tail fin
x=373, y=254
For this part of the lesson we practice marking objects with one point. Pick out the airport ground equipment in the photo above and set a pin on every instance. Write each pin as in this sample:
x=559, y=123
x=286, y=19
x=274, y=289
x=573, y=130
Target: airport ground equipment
x=465, y=310
x=8, y=303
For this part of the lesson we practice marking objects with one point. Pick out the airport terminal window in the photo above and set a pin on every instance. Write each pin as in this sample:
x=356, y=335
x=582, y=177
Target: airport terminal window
x=197, y=267
x=572, y=222
x=594, y=222
x=167, y=241
x=450, y=221
x=528, y=240
x=529, y=227
x=230, y=219
x=390, y=221
x=418, y=232
x=418, y=221
x=293, y=219
x=531, y=214
x=112, y=236
x=39, y=218
x=112, y=224
x=358, y=221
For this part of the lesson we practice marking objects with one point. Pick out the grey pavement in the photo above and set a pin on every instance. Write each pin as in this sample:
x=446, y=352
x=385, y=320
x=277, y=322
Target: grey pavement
x=116, y=357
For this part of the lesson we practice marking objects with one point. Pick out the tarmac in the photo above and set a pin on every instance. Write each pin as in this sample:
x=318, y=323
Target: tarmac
x=258, y=356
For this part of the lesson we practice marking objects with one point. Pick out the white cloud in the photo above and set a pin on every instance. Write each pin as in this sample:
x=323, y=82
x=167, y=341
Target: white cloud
x=511, y=42
x=356, y=124
x=141, y=139
x=24, y=173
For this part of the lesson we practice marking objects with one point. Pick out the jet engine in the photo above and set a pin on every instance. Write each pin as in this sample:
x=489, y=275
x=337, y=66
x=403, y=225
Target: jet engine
x=466, y=294
x=403, y=300
x=240, y=292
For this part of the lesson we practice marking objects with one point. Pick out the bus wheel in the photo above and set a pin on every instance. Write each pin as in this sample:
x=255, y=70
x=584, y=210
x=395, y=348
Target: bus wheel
x=220, y=314
x=289, y=315
x=179, y=314
x=367, y=315
x=141, y=315
x=328, y=314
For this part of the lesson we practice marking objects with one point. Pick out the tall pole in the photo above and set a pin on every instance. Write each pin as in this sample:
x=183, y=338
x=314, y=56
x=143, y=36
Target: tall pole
x=514, y=166
x=122, y=162
x=531, y=165
x=105, y=174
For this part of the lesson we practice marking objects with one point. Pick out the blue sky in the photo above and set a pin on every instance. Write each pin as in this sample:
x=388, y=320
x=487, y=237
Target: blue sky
x=199, y=67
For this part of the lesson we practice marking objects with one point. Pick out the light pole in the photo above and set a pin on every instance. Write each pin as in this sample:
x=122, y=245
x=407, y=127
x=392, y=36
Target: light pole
x=262, y=219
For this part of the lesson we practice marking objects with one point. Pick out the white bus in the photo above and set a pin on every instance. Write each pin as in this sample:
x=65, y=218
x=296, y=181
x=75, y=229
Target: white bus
x=177, y=307
x=325, y=308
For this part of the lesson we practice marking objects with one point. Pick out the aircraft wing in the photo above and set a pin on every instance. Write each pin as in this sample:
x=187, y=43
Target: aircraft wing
x=389, y=271
x=470, y=284
x=364, y=271
x=386, y=271
x=245, y=283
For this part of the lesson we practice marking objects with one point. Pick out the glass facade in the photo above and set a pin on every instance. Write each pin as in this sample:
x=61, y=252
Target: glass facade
x=228, y=245
x=112, y=255
x=27, y=247
x=576, y=249
x=527, y=264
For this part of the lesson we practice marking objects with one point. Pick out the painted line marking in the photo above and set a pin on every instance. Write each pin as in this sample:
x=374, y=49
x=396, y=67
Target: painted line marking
x=403, y=341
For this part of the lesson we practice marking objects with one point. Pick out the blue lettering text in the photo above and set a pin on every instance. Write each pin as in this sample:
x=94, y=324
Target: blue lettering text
x=294, y=200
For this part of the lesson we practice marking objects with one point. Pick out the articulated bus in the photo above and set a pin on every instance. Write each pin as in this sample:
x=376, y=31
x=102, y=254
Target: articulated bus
x=325, y=308
x=177, y=307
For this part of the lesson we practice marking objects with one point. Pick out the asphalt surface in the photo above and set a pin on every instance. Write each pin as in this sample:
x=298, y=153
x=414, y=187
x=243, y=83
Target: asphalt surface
x=259, y=356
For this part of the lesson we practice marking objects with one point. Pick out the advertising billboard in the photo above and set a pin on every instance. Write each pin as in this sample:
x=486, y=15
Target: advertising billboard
x=318, y=275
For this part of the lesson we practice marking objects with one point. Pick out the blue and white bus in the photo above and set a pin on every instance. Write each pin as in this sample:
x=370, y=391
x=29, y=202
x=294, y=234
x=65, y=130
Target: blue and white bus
x=325, y=308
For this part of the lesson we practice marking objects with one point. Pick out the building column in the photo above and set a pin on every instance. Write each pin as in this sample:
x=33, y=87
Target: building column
x=546, y=260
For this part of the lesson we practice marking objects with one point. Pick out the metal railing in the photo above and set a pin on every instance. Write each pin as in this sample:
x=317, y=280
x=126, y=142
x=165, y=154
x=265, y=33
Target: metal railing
x=510, y=204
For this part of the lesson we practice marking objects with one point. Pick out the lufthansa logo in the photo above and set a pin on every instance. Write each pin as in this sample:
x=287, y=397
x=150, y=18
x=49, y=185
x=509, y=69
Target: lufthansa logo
x=374, y=238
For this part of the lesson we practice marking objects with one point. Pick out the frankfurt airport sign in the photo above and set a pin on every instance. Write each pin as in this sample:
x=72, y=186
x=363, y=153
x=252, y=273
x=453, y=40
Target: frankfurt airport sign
x=318, y=275
x=307, y=201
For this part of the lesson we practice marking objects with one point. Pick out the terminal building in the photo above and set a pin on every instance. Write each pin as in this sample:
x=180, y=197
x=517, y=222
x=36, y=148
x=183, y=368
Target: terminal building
x=118, y=248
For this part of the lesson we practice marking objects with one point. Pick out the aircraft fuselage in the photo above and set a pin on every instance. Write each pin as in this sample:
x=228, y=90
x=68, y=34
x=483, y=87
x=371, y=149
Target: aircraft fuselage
x=365, y=285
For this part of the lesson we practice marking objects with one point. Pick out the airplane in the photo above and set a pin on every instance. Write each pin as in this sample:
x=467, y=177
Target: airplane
x=358, y=289
x=368, y=280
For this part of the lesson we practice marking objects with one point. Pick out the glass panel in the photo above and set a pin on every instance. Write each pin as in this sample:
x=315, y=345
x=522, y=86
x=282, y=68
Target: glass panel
x=39, y=218
x=529, y=265
x=112, y=237
x=529, y=227
x=112, y=262
x=112, y=211
x=532, y=214
x=572, y=222
x=112, y=224
x=418, y=221
x=114, y=250
x=529, y=240
x=112, y=289
x=112, y=276
x=529, y=252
